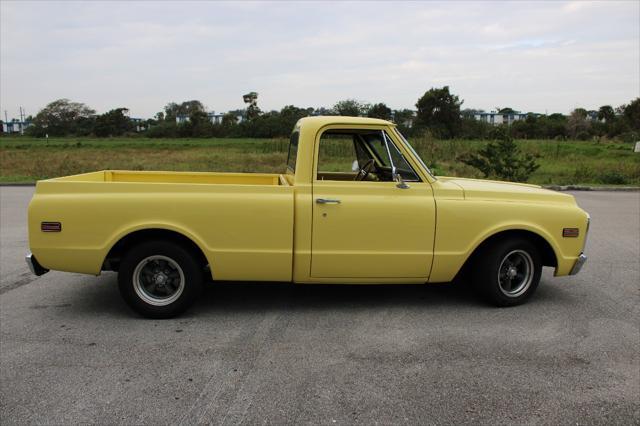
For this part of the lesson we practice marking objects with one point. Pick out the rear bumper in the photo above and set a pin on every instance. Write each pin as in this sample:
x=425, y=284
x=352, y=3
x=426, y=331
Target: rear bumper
x=579, y=264
x=34, y=266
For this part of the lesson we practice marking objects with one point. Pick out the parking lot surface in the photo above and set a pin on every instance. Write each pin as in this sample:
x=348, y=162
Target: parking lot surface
x=72, y=352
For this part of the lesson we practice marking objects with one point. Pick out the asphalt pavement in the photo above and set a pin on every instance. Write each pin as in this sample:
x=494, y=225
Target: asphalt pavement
x=72, y=352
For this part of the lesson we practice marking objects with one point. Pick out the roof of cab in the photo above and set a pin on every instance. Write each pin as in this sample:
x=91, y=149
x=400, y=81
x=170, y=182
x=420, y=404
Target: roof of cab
x=323, y=120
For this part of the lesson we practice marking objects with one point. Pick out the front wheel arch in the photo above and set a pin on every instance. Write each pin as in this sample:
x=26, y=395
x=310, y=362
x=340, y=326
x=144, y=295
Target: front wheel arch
x=546, y=251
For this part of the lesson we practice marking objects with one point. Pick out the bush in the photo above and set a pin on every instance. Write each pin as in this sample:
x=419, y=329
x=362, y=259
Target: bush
x=164, y=129
x=502, y=159
x=629, y=137
x=613, y=177
x=583, y=136
x=583, y=174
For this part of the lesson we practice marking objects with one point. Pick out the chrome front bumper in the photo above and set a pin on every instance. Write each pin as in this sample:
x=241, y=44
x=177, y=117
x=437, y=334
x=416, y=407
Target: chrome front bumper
x=34, y=266
x=579, y=264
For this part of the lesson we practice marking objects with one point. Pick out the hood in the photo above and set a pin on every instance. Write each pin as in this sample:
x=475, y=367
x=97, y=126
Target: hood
x=479, y=189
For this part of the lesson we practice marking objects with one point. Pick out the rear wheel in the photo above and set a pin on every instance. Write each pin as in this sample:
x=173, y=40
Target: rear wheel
x=159, y=279
x=508, y=272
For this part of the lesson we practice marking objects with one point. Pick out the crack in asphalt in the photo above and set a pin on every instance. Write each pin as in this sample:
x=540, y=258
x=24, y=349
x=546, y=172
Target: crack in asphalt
x=23, y=279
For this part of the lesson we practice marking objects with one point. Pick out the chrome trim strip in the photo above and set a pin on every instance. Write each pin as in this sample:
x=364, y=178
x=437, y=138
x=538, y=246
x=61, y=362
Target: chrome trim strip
x=326, y=201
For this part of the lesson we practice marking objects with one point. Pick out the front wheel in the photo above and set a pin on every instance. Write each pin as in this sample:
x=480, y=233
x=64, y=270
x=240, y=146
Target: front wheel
x=508, y=272
x=159, y=279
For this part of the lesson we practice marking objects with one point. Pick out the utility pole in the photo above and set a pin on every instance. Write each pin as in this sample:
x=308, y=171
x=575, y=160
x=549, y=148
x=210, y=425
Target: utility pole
x=6, y=121
x=21, y=122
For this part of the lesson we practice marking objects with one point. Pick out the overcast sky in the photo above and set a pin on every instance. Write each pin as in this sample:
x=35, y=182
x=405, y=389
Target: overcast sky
x=532, y=56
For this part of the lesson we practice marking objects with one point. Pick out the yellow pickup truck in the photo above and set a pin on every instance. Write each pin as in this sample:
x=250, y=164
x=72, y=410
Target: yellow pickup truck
x=355, y=205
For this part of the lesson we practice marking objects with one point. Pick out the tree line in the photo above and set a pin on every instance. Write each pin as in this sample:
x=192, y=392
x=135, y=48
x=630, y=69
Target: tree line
x=438, y=113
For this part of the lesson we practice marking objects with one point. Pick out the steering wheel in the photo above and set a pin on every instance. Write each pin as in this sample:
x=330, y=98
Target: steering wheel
x=365, y=170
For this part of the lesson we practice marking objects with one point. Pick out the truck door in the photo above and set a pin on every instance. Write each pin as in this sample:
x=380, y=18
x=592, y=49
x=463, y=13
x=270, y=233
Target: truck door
x=373, y=217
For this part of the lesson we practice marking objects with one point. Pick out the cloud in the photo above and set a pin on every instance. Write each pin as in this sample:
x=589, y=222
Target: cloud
x=533, y=56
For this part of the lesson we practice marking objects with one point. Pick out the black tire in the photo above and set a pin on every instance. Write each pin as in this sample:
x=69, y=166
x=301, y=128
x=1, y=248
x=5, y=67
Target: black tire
x=494, y=268
x=169, y=279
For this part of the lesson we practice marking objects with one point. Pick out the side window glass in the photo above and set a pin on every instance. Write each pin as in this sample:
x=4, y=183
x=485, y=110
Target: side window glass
x=293, y=151
x=336, y=156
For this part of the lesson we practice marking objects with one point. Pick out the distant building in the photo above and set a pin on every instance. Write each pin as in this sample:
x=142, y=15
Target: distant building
x=322, y=111
x=593, y=116
x=15, y=126
x=405, y=121
x=213, y=117
x=140, y=124
x=180, y=119
x=498, y=118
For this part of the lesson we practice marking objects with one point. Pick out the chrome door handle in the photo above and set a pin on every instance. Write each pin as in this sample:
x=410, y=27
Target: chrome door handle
x=327, y=201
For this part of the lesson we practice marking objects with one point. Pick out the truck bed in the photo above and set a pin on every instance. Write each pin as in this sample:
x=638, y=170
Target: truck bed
x=177, y=177
x=242, y=222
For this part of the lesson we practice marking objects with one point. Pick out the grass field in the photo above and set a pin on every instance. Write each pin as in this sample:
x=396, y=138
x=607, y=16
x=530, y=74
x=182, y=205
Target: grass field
x=25, y=159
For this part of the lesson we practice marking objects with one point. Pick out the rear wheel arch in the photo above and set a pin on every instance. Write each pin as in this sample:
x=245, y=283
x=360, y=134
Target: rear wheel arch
x=132, y=239
x=160, y=278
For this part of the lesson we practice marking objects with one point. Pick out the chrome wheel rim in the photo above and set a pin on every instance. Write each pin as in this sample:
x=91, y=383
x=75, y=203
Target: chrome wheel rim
x=515, y=273
x=158, y=280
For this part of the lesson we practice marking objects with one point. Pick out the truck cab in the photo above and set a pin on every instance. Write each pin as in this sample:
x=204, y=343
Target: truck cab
x=369, y=202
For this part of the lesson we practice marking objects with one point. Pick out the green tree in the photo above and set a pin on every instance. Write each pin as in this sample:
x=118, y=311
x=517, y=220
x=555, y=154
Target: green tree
x=577, y=124
x=322, y=111
x=553, y=126
x=289, y=116
x=503, y=159
x=350, y=108
x=379, y=110
x=606, y=113
x=439, y=111
x=186, y=108
x=528, y=128
x=189, y=107
x=403, y=117
x=61, y=118
x=606, y=124
x=631, y=114
x=113, y=123
x=229, y=120
x=199, y=124
x=253, y=111
x=171, y=111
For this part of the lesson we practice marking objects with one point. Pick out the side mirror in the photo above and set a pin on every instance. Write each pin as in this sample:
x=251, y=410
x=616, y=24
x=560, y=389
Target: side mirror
x=397, y=177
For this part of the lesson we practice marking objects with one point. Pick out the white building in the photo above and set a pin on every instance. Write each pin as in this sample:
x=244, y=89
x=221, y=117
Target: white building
x=139, y=123
x=15, y=126
x=213, y=117
x=498, y=118
x=182, y=119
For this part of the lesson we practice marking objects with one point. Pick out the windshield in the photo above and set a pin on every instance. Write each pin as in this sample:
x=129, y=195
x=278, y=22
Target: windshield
x=413, y=151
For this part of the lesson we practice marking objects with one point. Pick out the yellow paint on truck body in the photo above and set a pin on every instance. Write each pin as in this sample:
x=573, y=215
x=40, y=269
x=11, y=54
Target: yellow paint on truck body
x=268, y=227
